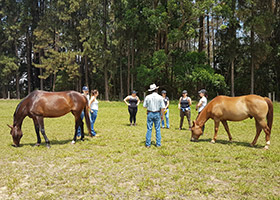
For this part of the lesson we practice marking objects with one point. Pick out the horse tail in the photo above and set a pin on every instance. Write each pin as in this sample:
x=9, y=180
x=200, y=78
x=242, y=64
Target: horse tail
x=269, y=115
x=86, y=108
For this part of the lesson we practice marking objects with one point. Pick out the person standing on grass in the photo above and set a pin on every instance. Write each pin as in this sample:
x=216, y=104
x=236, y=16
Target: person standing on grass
x=85, y=93
x=155, y=108
x=93, y=104
x=166, y=110
x=133, y=102
x=184, y=106
x=202, y=103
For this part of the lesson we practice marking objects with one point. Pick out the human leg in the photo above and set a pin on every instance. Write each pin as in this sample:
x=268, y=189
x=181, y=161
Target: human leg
x=130, y=110
x=93, y=116
x=182, y=119
x=167, y=119
x=149, y=129
x=157, y=120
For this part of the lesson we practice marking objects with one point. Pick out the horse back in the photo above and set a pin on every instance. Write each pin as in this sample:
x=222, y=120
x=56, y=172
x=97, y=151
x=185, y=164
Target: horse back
x=238, y=108
x=55, y=104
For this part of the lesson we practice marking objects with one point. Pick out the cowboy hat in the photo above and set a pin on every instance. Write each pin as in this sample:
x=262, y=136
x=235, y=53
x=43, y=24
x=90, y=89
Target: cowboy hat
x=153, y=87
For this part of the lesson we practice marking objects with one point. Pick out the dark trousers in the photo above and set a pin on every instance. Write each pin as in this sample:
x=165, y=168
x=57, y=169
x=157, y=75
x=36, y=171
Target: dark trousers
x=186, y=113
x=132, y=114
x=203, y=127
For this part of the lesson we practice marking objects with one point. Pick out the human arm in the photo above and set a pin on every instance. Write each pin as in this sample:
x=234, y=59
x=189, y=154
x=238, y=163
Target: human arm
x=92, y=99
x=198, y=104
x=138, y=102
x=179, y=104
x=190, y=101
x=125, y=101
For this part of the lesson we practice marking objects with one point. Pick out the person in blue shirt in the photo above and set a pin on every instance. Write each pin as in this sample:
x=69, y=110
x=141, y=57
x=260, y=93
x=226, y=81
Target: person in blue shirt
x=184, y=106
x=155, y=108
x=86, y=94
x=132, y=101
x=166, y=110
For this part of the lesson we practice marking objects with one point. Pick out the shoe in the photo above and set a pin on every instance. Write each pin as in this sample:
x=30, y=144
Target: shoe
x=96, y=135
x=134, y=124
x=180, y=128
x=148, y=146
x=163, y=127
x=130, y=124
x=190, y=129
x=158, y=146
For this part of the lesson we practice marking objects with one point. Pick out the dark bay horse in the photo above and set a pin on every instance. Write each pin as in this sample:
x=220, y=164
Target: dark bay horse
x=39, y=104
x=223, y=109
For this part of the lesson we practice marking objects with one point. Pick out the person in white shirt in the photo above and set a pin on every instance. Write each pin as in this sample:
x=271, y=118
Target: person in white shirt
x=93, y=104
x=202, y=103
x=155, y=109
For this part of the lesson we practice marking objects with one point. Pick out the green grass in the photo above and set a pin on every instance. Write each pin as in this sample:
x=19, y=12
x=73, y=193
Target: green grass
x=117, y=165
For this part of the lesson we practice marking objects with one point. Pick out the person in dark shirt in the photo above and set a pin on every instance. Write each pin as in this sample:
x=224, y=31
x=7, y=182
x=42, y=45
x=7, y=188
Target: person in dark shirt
x=166, y=109
x=185, y=110
x=132, y=101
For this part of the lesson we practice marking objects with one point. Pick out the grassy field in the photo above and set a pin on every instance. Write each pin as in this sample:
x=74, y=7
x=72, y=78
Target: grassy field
x=117, y=165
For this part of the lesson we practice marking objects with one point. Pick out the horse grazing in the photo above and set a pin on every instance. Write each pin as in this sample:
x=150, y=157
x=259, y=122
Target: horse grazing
x=223, y=108
x=39, y=104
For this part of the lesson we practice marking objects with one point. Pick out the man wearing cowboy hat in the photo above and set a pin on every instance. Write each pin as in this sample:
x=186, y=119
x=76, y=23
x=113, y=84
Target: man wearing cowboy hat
x=155, y=108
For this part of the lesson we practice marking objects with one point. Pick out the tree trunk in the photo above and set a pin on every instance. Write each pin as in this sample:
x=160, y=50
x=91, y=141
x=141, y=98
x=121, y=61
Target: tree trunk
x=54, y=79
x=41, y=71
x=17, y=74
x=252, y=56
x=28, y=50
x=208, y=38
x=132, y=63
x=128, y=68
x=105, y=2
x=121, y=80
x=201, y=34
x=86, y=70
x=232, y=78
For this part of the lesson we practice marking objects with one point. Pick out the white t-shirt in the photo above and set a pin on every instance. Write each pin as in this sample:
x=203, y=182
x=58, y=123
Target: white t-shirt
x=203, y=102
x=94, y=104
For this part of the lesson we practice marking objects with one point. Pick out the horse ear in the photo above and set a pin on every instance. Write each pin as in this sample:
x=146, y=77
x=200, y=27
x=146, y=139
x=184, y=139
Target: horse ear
x=193, y=123
x=10, y=126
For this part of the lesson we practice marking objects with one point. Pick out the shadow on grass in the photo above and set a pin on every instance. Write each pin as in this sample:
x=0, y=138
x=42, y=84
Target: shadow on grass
x=245, y=144
x=54, y=142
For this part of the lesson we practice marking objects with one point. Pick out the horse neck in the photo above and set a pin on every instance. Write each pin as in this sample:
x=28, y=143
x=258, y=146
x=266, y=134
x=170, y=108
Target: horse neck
x=19, y=115
x=202, y=118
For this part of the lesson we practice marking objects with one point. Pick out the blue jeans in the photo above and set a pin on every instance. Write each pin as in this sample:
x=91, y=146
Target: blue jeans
x=79, y=128
x=93, y=116
x=167, y=119
x=153, y=118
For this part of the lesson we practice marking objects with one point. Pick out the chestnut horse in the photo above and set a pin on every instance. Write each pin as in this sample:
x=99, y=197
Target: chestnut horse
x=39, y=104
x=223, y=108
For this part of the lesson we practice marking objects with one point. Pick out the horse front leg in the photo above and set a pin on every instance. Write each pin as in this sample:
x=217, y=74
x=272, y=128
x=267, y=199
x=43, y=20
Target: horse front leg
x=217, y=123
x=224, y=122
x=42, y=128
x=36, y=125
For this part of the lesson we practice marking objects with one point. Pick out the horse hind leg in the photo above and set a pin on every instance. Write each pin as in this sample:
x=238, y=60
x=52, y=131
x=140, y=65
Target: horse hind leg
x=258, y=131
x=78, y=123
x=267, y=133
x=227, y=130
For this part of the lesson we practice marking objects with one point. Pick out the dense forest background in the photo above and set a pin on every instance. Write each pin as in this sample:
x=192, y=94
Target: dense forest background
x=229, y=47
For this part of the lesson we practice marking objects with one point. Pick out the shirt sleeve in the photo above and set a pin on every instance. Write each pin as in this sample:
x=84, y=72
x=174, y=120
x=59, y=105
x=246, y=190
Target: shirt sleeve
x=167, y=98
x=162, y=104
x=145, y=103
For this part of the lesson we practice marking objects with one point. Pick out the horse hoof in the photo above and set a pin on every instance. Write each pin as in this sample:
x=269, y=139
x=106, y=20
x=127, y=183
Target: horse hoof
x=73, y=142
x=266, y=147
x=252, y=144
x=213, y=141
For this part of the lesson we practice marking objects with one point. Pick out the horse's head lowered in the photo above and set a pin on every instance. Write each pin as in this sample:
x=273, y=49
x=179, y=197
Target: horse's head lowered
x=196, y=132
x=16, y=134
